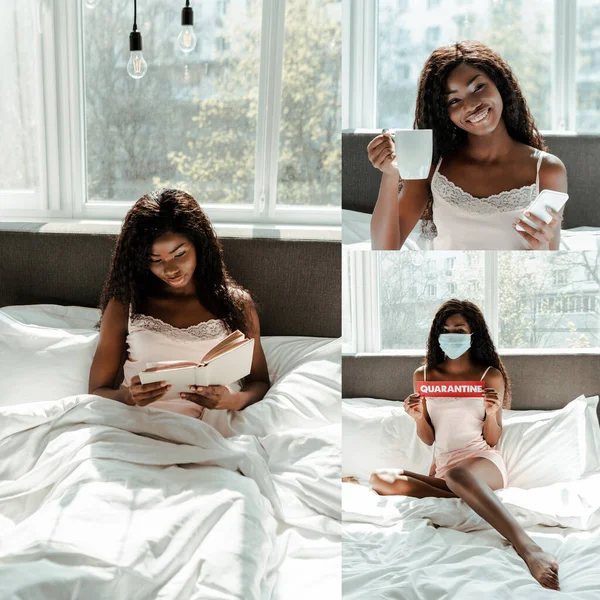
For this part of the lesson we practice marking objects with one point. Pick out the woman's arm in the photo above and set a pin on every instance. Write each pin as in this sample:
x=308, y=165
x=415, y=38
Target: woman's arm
x=553, y=176
x=546, y=236
x=107, y=359
x=425, y=429
x=395, y=214
x=257, y=383
x=493, y=399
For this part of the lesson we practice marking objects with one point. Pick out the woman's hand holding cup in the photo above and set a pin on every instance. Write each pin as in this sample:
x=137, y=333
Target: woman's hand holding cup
x=382, y=153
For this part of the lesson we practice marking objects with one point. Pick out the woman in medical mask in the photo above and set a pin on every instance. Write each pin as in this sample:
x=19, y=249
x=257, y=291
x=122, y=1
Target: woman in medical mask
x=465, y=431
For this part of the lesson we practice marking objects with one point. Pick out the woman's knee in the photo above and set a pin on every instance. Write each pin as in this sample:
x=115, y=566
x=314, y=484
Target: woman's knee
x=378, y=484
x=457, y=476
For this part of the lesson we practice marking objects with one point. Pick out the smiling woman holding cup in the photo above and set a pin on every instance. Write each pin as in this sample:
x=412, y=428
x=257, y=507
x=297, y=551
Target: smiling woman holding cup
x=487, y=162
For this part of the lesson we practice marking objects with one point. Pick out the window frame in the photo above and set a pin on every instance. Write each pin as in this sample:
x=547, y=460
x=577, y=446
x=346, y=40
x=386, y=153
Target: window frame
x=365, y=317
x=31, y=203
x=63, y=182
x=359, y=92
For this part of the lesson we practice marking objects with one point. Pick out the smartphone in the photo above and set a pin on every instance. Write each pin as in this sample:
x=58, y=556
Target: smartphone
x=546, y=198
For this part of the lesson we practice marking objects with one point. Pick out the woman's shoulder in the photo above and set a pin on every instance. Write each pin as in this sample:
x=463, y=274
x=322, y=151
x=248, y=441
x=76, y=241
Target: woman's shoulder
x=493, y=375
x=116, y=315
x=419, y=373
x=553, y=173
x=242, y=296
x=550, y=163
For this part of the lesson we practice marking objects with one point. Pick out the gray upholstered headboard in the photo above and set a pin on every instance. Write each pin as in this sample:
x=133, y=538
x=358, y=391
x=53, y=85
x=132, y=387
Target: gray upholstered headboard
x=360, y=180
x=538, y=382
x=297, y=284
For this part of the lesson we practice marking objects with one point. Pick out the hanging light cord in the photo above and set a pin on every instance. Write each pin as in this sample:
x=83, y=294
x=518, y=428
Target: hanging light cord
x=187, y=2
x=134, y=15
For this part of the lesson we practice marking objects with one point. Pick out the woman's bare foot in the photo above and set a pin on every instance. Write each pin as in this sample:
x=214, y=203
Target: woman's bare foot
x=543, y=566
x=350, y=480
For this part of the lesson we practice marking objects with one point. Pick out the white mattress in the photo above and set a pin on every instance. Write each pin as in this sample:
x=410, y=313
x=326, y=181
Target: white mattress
x=357, y=236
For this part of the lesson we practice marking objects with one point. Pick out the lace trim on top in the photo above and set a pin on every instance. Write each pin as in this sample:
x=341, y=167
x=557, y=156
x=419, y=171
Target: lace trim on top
x=207, y=330
x=515, y=199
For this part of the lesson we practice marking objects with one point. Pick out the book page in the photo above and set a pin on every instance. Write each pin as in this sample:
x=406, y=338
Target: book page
x=228, y=367
x=232, y=340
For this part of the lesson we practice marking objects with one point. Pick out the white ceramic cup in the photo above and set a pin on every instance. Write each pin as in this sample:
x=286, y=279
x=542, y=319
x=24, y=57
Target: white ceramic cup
x=414, y=150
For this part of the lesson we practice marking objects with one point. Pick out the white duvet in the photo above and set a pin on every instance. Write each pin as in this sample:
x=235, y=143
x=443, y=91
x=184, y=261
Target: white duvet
x=115, y=502
x=101, y=500
x=432, y=549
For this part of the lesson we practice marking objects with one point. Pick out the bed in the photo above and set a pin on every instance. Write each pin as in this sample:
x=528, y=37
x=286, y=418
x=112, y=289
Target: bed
x=426, y=549
x=360, y=186
x=103, y=500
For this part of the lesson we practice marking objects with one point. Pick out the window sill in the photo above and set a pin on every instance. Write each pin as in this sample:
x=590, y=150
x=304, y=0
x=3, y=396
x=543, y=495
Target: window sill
x=507, y=352
x=225, y=230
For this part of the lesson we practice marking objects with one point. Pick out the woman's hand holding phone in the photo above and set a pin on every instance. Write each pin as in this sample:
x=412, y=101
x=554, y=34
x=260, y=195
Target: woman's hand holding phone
x=382, y=152
x=413, y=405
x=540, y=236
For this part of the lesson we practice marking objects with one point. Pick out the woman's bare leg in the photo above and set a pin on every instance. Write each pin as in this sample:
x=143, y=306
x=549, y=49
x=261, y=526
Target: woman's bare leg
x=474, y=480
x=405, y=485
x=434, y=481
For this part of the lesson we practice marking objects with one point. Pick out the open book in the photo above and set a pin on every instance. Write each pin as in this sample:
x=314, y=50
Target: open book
x=228, y=361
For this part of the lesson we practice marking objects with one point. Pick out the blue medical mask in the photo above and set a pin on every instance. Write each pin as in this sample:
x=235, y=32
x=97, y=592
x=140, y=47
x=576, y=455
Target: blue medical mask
x=454, y=345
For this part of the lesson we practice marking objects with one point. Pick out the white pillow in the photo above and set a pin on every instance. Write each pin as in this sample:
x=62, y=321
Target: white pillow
x=592, y=435
x=54, y=315
x=305, y=393
x=43, y=363
x=542, y=447
x=379, y=434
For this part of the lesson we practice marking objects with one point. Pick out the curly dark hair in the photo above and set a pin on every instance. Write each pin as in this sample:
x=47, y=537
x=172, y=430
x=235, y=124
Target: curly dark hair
x=130, y=280
x=483, y=351
x=432, y=111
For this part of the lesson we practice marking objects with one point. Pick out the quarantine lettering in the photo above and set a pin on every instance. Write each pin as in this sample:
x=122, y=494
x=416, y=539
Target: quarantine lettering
x=457, y=389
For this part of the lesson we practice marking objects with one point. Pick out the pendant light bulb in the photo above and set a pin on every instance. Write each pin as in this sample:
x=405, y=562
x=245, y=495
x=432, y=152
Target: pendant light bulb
x=186, y=40
x=137, y=66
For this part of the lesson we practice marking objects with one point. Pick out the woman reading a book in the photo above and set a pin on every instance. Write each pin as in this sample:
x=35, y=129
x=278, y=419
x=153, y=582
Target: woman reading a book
x=169, y=297
x=465, y=431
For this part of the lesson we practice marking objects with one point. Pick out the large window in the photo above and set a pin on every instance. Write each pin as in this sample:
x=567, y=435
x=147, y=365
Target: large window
x=22, y=150
x=552, y=47
x=249, y=122
x=527, y=298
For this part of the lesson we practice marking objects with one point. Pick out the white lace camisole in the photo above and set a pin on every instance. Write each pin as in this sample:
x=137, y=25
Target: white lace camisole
x=465, y=222
x=151, y=340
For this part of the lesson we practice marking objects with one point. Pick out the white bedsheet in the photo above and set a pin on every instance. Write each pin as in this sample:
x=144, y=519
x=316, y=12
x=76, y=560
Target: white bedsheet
x=357, y=235
x=425, y=549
